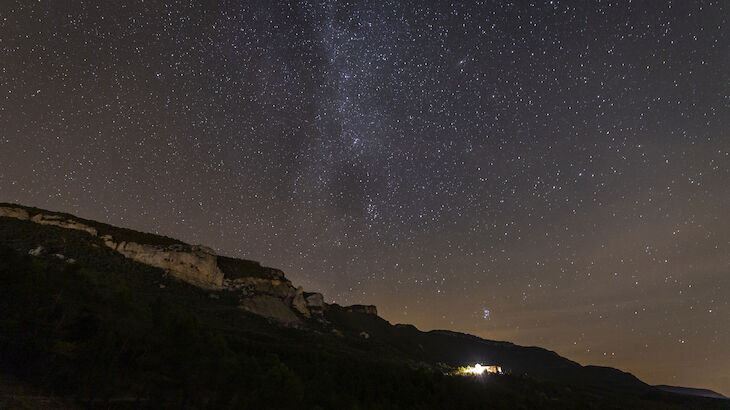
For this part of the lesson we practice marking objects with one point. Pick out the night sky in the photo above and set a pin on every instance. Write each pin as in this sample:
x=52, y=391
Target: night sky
x=548, y=173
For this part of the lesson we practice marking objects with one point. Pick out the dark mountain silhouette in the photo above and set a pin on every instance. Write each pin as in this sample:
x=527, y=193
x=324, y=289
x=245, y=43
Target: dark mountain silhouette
x=100, y=316
x=689, y=391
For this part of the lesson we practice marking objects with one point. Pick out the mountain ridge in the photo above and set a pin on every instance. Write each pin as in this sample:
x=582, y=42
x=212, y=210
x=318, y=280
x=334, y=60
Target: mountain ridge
x=195, y=264
x=691, y=391
x=252, y=289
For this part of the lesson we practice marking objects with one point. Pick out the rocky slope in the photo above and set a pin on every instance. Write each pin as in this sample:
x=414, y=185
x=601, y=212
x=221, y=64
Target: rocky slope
x=169, y=312
x=263, y=291
x=267, y=292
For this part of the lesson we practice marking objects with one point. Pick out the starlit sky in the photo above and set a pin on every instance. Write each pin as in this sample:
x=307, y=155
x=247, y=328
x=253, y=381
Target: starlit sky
x=549, y=173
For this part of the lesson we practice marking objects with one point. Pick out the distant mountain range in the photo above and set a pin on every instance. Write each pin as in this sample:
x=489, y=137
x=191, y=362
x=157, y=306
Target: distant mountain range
x=689, y=391
x=97, y=315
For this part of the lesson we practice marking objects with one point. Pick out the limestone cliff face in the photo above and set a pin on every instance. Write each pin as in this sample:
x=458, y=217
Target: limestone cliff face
x=315, y=300
x=17, y=213
x=280, y=288
x=196, y=265
x=57, y=220
x=315, y=303
x=252, y=289
x=46, y=219
x=265, y=292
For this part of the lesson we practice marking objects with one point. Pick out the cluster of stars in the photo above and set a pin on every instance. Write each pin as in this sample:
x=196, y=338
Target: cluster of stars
x=564, y=165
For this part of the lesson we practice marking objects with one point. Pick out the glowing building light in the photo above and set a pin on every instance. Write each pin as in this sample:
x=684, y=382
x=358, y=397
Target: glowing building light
x=478, y=369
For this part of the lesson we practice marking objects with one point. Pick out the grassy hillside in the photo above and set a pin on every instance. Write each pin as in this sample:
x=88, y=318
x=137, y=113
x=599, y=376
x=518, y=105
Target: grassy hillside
x=109, y=332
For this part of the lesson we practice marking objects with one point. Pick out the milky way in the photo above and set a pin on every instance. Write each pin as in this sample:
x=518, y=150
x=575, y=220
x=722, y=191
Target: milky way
x=559, y=169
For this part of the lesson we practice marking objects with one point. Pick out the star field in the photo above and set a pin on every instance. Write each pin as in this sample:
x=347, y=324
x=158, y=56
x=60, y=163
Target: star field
x=547, y=173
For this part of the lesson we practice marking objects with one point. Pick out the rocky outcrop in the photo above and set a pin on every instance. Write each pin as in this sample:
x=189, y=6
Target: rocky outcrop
x=38, y=251
x=195, y=264
x=315, y=303
x=241, y=268
x=367, y=309
x=64, y=258
x=41, y=251
x=282, y=289
x=12, y=212
x=263, y=291
x=270, y=307
x=57, y=220
x=306, y=304
x=46, y=219
x=299, y=303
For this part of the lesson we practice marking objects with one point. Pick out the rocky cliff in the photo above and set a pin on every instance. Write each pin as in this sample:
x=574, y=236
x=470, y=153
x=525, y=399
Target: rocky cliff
x=193, y=264
x=57, y=220
x=263, y=291
x=276, y=298
x=11, y=212
x=196, y=265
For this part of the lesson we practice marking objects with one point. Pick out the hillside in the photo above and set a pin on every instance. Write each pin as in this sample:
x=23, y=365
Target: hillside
x=96, y=315
x=691, y=391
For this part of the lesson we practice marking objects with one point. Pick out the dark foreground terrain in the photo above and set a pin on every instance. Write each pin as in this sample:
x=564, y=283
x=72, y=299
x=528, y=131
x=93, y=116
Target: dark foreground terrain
x=107, y=332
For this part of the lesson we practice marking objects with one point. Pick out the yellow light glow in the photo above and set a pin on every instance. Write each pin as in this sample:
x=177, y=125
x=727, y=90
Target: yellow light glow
x=478, y=369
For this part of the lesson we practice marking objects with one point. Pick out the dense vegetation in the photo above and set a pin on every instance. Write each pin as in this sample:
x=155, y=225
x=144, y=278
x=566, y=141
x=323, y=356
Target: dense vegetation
x=105, y=328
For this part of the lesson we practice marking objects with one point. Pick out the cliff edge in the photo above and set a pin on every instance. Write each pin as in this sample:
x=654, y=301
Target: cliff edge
x=263, y=291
